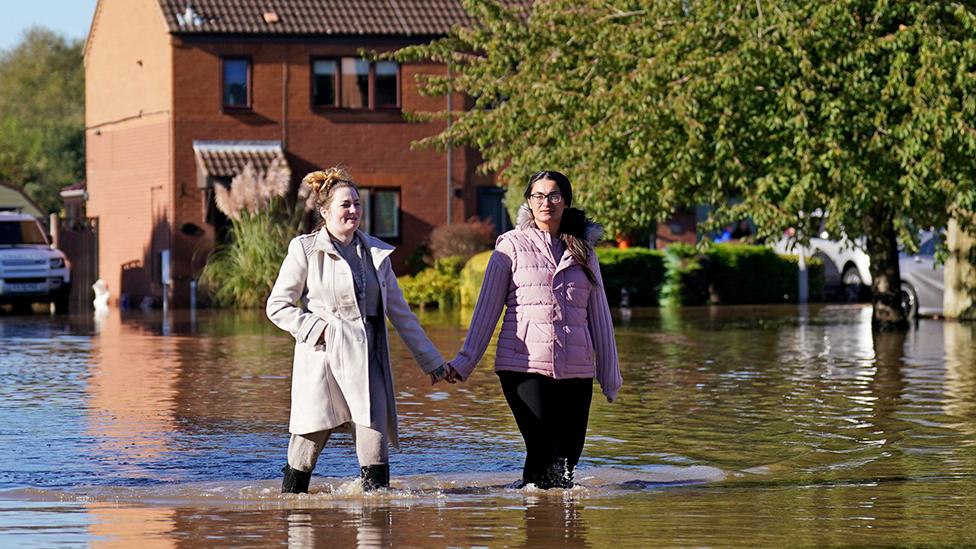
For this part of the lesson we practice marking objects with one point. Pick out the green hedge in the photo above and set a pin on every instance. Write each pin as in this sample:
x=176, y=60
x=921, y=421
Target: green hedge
x=436, y=285
x=472, y=275
x=682, y=275
x=728, y=274
x=639, y=271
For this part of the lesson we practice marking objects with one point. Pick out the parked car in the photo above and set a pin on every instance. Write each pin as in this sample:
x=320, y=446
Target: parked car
x=846, y=264
x=30, y=269
x=922, y=280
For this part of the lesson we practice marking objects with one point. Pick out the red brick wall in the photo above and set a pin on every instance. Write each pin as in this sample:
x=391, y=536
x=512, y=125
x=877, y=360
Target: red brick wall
x=128, y=189
x=373, y=146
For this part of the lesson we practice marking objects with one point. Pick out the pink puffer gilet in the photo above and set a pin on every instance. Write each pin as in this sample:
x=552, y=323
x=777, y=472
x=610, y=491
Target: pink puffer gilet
x=544, y=328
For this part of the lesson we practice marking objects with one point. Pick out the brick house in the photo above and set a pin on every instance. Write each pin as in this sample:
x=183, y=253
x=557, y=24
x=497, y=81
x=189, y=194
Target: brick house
x=180, y=95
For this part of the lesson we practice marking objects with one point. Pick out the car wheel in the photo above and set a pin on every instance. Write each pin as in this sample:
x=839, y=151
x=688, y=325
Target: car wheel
x=851, y=285
x=909, y=300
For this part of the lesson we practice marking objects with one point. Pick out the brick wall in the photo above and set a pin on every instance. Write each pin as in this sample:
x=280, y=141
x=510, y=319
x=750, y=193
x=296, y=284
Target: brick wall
x=373, y=146
x=128, y=66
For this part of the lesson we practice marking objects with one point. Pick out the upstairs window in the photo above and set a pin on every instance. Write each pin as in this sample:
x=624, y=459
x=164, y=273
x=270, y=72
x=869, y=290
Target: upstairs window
x=355, y=83
x=325, y=82
x=236, y=82
x=386, y=88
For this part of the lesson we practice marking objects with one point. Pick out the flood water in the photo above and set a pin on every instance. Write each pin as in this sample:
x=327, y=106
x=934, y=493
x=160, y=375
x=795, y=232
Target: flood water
x=736, y=427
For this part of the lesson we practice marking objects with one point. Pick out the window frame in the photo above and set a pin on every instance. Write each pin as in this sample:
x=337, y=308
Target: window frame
x=340, y=91
x=369, y=205
x=249, y=87
x=337, y=85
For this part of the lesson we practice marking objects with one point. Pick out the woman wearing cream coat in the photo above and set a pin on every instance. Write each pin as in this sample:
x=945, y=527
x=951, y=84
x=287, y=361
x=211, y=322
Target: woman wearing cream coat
x=334, y=291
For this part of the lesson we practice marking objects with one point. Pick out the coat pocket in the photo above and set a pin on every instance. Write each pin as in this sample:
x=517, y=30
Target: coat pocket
x=325, y=341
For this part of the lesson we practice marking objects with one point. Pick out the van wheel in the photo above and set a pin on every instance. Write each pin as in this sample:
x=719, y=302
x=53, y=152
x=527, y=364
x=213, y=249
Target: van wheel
x=852, y=287
x=909, y=300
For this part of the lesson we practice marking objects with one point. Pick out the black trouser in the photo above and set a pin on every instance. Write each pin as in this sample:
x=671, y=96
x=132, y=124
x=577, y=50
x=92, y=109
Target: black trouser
x=552, y=416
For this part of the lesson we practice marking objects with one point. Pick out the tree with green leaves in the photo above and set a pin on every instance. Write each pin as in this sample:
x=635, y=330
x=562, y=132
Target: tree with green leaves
x=863, y=109
x=42, y=116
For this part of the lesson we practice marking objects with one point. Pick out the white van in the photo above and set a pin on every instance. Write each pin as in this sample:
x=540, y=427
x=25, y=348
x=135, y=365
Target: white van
x=30, y=270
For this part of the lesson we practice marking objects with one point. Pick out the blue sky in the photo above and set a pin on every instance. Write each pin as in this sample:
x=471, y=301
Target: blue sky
x=68, y=17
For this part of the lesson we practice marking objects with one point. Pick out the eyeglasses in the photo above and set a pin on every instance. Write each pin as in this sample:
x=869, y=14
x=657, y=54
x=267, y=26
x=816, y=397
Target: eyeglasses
x=554, y=198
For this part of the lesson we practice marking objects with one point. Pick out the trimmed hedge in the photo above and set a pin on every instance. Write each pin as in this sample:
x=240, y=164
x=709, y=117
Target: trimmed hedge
x=637, y=273
x=729, y=274
x=434, y=285
x=472, y=275
x=681, y=275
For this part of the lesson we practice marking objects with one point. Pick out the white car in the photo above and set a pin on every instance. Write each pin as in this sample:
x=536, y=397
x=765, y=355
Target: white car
x=922, y=279
x=847, y=271
x=30, y=270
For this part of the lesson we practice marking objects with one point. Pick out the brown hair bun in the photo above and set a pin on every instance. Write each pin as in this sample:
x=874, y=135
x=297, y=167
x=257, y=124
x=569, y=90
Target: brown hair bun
x=322, y=182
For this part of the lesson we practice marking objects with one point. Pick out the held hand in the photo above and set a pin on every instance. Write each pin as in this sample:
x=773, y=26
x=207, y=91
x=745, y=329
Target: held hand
x=452, y=375
x=442, y=372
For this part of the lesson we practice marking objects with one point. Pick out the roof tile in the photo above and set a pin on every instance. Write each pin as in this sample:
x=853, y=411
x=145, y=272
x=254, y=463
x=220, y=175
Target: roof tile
x=335, y=17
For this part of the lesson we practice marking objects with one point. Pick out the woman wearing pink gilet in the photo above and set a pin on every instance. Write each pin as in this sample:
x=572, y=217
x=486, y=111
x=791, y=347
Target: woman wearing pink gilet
x=557, y=333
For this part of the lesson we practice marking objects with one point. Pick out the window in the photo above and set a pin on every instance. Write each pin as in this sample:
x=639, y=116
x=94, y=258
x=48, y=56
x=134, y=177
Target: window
x=386, y=84
x=381, y=212
x=236, y=82
x=325, y=82
x=355, y=83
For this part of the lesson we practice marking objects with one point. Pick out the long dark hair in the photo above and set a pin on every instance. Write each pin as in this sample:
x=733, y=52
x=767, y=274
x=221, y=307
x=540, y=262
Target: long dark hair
x=572, y=226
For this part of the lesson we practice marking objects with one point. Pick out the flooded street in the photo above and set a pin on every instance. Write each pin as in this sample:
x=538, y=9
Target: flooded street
x=736, y=427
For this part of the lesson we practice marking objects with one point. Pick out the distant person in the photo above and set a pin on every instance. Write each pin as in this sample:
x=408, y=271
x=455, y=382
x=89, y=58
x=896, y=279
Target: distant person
x=557, y=334
x=742, y=230
x=334, y=291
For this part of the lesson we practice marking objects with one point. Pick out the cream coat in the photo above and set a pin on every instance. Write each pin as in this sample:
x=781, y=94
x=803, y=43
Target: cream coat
x=314, y=297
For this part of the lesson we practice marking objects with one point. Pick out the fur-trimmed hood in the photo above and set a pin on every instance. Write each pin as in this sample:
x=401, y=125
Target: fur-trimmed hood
x=574, y=222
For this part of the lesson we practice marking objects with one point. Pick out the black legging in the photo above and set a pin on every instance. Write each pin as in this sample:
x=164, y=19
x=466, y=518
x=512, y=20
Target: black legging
x=552, y=416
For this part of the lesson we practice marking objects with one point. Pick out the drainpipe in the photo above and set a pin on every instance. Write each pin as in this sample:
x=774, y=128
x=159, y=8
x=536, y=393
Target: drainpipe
x=284, y=103
x=450, y=184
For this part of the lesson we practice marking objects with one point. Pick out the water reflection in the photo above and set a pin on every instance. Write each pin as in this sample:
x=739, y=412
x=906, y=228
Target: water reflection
x=737, y=426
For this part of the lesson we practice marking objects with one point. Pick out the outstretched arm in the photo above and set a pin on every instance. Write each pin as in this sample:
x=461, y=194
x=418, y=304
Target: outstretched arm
x=491, y=299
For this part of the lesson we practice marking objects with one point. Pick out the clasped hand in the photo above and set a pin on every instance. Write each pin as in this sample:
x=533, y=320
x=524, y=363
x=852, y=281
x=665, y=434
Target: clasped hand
x=445, y=372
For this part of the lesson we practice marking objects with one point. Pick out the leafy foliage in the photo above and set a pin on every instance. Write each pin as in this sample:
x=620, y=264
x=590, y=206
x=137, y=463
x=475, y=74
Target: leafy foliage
x=864, y=108
x=438, y=284
x=42, y=116
x=472, y=276
x=636, y=273
x=462, y=239
x=242, y=273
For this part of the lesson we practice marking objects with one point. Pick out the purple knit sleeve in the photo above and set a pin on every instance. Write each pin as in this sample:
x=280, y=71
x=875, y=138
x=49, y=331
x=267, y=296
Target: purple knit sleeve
x=601, y=331
x=494, y=291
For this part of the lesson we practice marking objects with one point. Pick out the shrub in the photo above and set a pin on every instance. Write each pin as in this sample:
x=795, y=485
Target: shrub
x=462, y=239
x=734, y=274
x=439, y=284
x=472, y=275
x=636, y=273
x=684, y=276
x=242, y=273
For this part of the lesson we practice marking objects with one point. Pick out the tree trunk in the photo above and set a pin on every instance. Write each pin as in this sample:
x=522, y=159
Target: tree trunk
x=882, y=244
x=959, y=300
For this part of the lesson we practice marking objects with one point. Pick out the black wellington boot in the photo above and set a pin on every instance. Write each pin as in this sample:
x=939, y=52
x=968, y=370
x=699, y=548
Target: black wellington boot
x=559, y=475
x=295, y=481
x=375, y=476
